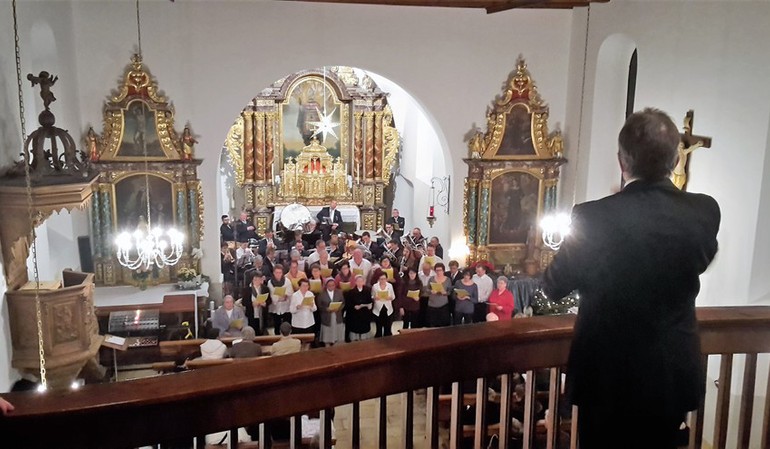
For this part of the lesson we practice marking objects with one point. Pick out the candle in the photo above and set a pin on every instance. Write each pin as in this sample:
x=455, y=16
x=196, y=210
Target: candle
x=431, y=211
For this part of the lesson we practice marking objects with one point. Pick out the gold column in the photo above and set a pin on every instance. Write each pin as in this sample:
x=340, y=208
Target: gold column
x=270, y=144
x=369, y=163
x=357, y=165
x=248, y=147
x=378, y=146
x=259, y=148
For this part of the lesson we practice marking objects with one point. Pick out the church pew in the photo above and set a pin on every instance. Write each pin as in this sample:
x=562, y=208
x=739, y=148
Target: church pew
x=184, y=348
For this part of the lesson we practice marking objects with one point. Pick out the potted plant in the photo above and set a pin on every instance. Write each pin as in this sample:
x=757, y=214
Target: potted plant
x=188, y=278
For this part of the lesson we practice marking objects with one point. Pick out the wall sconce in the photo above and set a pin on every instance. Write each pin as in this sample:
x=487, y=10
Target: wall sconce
x=441, y=197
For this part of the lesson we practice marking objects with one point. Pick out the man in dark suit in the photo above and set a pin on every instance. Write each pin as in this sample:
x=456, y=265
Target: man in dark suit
x=330, y=220
x=226, y=231
x=398, y=222
x=635, y=257
x=244, y=229
x=267, y=242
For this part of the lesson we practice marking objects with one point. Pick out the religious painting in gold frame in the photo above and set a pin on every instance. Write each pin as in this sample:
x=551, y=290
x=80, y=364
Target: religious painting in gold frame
x=139, y=132
x=310, y=100
x=130, y=205
x=138, y=118
x=515, y=206
x=517, y=124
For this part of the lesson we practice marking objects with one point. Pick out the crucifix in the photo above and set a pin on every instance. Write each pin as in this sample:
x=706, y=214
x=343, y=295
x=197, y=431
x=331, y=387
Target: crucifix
x=689, y=142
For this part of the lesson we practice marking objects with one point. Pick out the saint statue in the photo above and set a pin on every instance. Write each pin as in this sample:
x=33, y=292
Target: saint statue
x=188, y=142
x=92, y=144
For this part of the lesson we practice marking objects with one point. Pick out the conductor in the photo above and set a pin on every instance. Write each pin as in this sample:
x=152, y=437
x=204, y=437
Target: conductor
x=330, y=219
x=636, y=257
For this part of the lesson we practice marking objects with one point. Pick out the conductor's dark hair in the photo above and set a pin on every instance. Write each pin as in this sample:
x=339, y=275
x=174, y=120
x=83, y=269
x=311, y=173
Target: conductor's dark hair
x=225, y=216
x=648, y=144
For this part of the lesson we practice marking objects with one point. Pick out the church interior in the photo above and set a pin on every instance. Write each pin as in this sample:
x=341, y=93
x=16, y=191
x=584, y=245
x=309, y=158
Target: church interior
x=475, y=120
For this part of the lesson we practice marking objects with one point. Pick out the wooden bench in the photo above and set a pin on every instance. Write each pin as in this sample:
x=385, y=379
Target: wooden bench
x=188, y=348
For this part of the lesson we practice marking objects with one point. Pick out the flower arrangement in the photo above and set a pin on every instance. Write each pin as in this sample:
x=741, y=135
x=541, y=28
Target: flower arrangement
x=140, y=275
x=186, y=274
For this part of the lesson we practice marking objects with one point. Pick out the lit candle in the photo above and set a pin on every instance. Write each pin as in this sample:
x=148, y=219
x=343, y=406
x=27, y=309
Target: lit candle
x=431, y=211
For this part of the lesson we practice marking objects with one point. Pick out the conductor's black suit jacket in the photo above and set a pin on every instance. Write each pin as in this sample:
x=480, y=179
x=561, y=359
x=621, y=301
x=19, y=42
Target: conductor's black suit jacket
x=635, y=258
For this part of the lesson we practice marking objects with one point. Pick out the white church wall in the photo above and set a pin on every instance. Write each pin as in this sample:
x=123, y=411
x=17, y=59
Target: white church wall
x=721, y=74
x=211, y=58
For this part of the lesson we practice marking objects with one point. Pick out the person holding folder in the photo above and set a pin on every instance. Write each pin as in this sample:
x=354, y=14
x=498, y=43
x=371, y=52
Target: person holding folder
x=383, y=296
x=345, y=279
x=331, y=303
x=280, y=295
x=501, y=300
x=409, y=299
x=358, y=311
x=302, y=307
x=438, y=300
x=466, y=297
x=255, y=304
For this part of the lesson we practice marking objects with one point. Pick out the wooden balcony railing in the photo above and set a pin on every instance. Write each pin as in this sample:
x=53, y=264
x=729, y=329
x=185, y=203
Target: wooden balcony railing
x=187, y=405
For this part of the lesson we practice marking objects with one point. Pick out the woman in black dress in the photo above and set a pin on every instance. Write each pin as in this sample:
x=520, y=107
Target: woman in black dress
x=358, y=311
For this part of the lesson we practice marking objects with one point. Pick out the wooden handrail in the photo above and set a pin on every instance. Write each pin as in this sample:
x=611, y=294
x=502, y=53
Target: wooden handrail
x=132, y=413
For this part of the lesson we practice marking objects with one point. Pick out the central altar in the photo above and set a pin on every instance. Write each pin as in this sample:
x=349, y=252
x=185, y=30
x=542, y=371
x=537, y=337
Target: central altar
x=312, y=137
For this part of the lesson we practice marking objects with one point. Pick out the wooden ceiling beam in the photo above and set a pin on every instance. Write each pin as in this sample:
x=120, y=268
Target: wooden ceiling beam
x=491, y=6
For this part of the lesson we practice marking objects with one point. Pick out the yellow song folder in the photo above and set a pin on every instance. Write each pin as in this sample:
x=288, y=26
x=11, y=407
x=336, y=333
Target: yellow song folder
x=335, y=306
x=389, y=273
x=260, y=299
x=236, y=324
x=437, y=287
x=279, y=291
x=308, y=301
x=326, y=272
x=316, y=285
x=414, y=294
x=345, y=286
x=462, y=293
x=431, y=261
x=383, y=295
x=358, y=271
x=294, y=283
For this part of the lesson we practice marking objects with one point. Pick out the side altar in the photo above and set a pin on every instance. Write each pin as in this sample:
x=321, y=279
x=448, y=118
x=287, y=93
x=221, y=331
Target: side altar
x=147, y=175
x=312, y=137
x=513, y=172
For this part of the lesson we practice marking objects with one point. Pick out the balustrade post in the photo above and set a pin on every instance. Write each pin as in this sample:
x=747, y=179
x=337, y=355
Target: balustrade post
x=382, y=424
x=723, y=401
x=529, y=410
x=505, y=411
x=480, y=430
x=325, y=434
x=407, y=412
x=356, y=426
x=747, y=401
x=455, y=420
x=554, y=394
x=431, y=421
x=295, y=433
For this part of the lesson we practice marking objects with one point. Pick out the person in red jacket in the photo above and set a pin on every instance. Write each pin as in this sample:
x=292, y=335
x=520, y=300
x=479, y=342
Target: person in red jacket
x=501, y=300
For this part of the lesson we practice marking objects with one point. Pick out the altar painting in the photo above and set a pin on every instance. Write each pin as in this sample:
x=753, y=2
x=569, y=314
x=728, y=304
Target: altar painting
x=139, y=131
x=131, y=201
x=302, y=113
x=517, y=138
x=514, y=207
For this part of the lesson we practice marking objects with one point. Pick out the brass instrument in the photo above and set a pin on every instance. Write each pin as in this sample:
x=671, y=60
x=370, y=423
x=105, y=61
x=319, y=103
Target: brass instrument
x=408, y=242
x=382, y=234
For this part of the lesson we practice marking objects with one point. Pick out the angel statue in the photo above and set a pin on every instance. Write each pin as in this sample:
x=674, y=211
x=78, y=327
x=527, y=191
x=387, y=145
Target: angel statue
x=46, y=81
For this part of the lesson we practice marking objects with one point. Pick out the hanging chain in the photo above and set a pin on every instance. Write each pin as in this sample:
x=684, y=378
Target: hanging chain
x=582, y=102
x=138, y=29
x=30, y=211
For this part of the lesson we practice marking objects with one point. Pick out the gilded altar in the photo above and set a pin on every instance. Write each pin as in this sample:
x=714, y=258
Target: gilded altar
x=146, y=171
x=513, y=172
x=311, y=137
